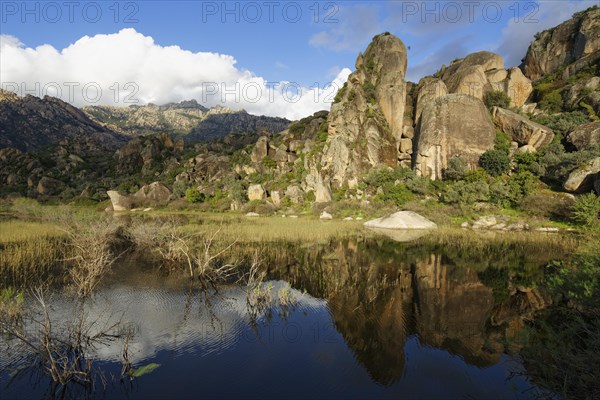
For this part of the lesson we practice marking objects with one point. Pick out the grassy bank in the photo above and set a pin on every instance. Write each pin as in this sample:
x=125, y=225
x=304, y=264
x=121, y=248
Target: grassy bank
x=29, y=248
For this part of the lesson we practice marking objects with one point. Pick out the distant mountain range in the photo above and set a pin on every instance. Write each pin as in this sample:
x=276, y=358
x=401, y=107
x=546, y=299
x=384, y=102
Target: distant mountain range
x=27, y=123
x=188, y=119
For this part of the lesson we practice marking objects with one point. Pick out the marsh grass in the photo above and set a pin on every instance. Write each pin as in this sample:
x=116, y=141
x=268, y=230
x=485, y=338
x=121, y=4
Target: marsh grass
x=273, y=228
x=29, y=249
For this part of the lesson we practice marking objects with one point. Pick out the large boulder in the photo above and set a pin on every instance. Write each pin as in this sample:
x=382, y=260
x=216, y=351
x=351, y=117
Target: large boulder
x=586, y=136
x=260, y=150
x=583, y=178
x=469, y=80
x=453, y=125
x=154, y=194
x=521, y=129
x=518, y=87
x=401, y=220
x=428, y=90
x=322, y=193
x=486, y=60
x=570, y=46
x=295, y=194
x=119, y=202
x=50, y=186
x=256, y=192
x=483, y=71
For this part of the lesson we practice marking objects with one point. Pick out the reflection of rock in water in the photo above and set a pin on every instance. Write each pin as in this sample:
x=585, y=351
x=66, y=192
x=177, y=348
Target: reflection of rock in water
x=452, y=308
x=401, y=235
x=381, y=292
x=376, y=325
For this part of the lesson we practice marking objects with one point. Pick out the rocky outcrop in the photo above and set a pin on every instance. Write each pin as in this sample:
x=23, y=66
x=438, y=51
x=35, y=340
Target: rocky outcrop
x=586, y=137
x=483, y=71
x=522, y=130
x=322, y=193
x=486, y=60
x=469, y=80
x=154, y=194
x=295, y=194
x=143, y=153
x=366, y=123
x=50, y=186
x=453, y=125
x=517, y=86
x=401, y=220
x=256, y=192
x=571, y=46
x=260, y=149
x=429, y=90
x=583, y=178
x=118, y=201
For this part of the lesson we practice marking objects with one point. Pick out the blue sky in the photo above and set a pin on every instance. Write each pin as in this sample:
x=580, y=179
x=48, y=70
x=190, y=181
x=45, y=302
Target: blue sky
x=304, y=42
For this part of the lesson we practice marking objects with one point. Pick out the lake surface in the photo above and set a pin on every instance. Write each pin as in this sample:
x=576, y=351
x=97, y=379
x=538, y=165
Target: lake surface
x=349, y=319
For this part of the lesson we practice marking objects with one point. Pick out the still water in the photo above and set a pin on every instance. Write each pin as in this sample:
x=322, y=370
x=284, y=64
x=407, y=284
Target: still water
x=351, y=319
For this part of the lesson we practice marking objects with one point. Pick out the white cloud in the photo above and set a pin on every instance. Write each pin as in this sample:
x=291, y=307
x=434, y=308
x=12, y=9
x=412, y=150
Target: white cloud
x=128, y=61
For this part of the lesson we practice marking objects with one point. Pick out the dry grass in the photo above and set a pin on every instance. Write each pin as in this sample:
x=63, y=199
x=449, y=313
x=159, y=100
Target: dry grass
x=13, y=231
x=29, y=249
x=270, y=229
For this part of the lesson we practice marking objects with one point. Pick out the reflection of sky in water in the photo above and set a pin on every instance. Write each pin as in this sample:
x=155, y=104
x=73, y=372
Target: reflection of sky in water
x=217, y=353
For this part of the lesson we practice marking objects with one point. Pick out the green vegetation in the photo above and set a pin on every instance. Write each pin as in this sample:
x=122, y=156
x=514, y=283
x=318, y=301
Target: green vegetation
x=192, y=195
x=496, y=98
x=586, y=210
x=495, y=162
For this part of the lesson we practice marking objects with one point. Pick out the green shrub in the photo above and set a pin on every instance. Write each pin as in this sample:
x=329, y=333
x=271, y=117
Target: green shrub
x=495, y=162
x=496, y=98
x=340, y=93
x=268, y=162
x=502, y=142
x=528, y=162
x=397, y=195
x=179, y=189
x=321, y=136
x=586, y=209
x=466, y=193
x=558, y=164
x=369, y=90
x=296, y=128
x=457, y=169
x=192, y=195
x=562, y=123
x=552, y=102
x=419, y=184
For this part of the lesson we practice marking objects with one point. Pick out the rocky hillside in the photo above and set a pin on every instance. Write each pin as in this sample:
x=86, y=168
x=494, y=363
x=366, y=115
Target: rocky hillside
x=188, y=119
x=484, y=132
x=566, y=48
x=28, y=123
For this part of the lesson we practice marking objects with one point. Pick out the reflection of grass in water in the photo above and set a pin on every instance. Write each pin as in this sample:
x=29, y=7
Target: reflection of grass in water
x=562, y=352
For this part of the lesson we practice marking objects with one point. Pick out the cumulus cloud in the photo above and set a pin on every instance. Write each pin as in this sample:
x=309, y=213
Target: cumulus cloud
x=124, y=67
